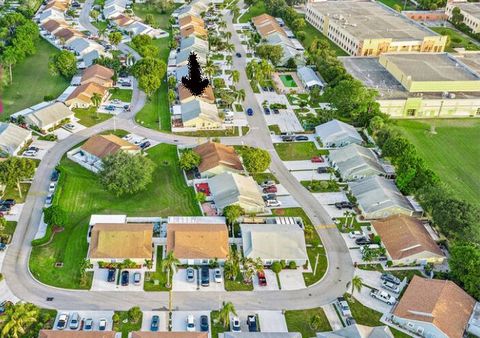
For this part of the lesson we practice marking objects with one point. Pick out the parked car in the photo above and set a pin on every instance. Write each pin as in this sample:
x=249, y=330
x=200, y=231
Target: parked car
x=217, y=275
x=137, y=278
x=383, y=296
x=102, y=324
x=10, y=202
x=145, y=145
x=236, y=324
x=301, y=138
x=390, y=278
x=54, y=176
x=355, y=234
x=262, y=281
x=390, y=286
x=190, y=323
x=205, y=276
x=111, y=275
x=276, y=111
x=350, y=321
x=34, y=149
x=125, y=277
x=30, y=153
x=267, y=111
x=88, y=326
x=322, y=170
x=62, y=321
x=270, y=189
x=70, y=126
x=344, y=205
x=190, y=275
x=238, y=55
x=273, y=203
x=52, y=186
x=288, y=138
x=5, y=208
x=49, y=199
x=249, y=111
x=266, y=184
x=252, y=323
x=362, y=241
x=155, y=323
x=3, y=246
x=204, y=323
x=74, y=321
x=343, y=306
x=317, y=159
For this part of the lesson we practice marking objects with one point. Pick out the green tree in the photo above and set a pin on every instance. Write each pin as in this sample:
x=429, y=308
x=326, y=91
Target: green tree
x=134, y=314
x=251, y=267
x=63, y=63
x=124, y=173
x=16, y=169
x=276, y=267
x=464, y=265
x=94, y=14
x=355, y=284
x=149, y=72
x=232, y=213
x=189, y=160
x=171, y=96
x=18, y=318
x=169, y=265
x=235, y=76
x=457, y=16
x=240, y=95
x=149, y=19
x=316, y=322
x=200, y=197
x=224, y=315
x=8, y=59
x=55, y=215
x=115, y=38
x=255, y=160
x=231, y=267
x=274, y=53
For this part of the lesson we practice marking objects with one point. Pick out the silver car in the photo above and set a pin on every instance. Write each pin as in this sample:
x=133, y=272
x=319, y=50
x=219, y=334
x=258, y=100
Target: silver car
x=190, y=275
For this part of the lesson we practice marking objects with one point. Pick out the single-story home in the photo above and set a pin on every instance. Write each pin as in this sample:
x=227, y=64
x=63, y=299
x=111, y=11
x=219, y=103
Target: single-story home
x=122, y=20
x=186, y=95
x=49, y=116
x=51, y=14
x=266, y=25
x=90, y=57
x=217, y=158
x=58, y=5
x=13, y=138
x=75, y=334
x=196, y=30
x=183, y=56
x=336, y=133
x=171, y=334
x=378, y=197
x=191, y=20
x=201, y=115
x=355, y=162
x=82, y=46
x=194, y=41
x=112, y=11
x=65, y=35
x=407, y=241
x=116, y=242
x=289, y=50
x=137, y=28
x=434, y=308
x=262, y=335
x=82, y=96
x=358, y=331
x=197, y=243
x=98, y=74
x=100, y=146
x=53, y=25
x=181, y=72
x=274, y=243
x=230, y=188
x=310, y=78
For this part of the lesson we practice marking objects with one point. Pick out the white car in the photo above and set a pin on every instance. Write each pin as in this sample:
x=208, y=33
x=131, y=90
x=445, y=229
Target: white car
x=355, y=234
x=273, y=203
x=30, y=153
x=102, y=324
x=51, y=187
x=390, y=286
x=190, y=323
x=217, y=275
x=236, y=324
x=267, y=184
x=383, y=296
x=70, y=126
x=62, y=321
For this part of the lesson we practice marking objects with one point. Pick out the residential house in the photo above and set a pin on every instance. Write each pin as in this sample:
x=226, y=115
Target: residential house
x=53, y=25
x=289, y=50
x=183, y=56
x=58, y=5
x=378, y=197
x=112, y=11
x=98, y=147
x=194, y=42
x=75, y=334
x=198, y=243
x=123, y=20
x=51, y=14
x=186, y=95
x=358, y=331
x=217, y=158
x=180, y=72
x=81, y=46
x=355, y=162
x=171, y=334
x=336, y=133
x=82, y=96
x=137, y=28
x=310, y=79
x=117, y=242
x=13, y=138
x=49, y=116
x=90, y=57
x=433, y=308
x=193, y=30
x=98, y=74
x=234, y=189
x=262, y=335
x=65, y=35
x=266, y=24
x=191, y=20
x=274, y=243
x=407, y=241
x=201, y=115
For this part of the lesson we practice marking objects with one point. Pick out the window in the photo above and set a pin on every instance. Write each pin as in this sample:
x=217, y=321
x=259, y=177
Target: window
x=411, y=112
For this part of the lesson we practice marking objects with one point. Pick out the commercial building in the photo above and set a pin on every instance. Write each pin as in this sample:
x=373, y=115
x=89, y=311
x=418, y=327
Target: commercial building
x=470, y=12
x=217, y=158
x=420, y=85
x=13, y=138
x=369, y=28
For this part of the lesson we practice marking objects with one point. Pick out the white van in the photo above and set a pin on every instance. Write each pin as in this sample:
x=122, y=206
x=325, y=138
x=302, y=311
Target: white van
x=369, y=246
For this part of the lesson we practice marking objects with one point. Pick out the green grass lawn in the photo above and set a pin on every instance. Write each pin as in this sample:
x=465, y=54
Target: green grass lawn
x=161, y=277
x=347, y=224
x=127, y=327
x=296, y=151
x=312, y=33
x=9, y=230
x=321, y=186
x=89, y=117
x=261, y=177
x=401, y=274
x=457, y=39
x=124, y=95
x=12, y=192
x=275, y=128
x=32, y=81
x=390, y=3
x=237, y=284
x=213, y=133
x=299, y=321
x=100, y=24
x=160, y=19
x=80, y=195
x=452, y=152
x=254, y=10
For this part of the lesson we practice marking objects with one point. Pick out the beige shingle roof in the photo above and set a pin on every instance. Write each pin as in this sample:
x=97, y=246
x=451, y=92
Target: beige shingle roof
x=52, y=25
x=266, y=25
x=104, y=145
x=50, y=114
x=440, y=302
x=193, y=29
x=85, y=92
x=97, y=71
x=206, y=96
x=76, y=334
x=190, y=19
x=214, y=154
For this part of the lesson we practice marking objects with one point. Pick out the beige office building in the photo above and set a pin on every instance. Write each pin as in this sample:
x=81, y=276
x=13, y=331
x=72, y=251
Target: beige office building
x=470, y=12
x=367, y=28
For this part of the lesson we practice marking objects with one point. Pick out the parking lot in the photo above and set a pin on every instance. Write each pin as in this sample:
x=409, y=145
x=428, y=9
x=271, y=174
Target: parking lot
x=95, y=315
x=100, y=282
x=179, y=320
x=43, y=148
x=147, y=320
x=180, y=282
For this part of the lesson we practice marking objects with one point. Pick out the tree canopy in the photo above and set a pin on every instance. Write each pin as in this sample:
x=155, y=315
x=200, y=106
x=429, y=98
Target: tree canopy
x=255, y=160
x=63, y=63
x=189, y=160
x=149, y=71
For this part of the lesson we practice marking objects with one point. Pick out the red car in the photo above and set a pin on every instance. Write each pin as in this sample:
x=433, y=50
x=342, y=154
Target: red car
x=317, y=159
x=262, y=281
x=270, y=189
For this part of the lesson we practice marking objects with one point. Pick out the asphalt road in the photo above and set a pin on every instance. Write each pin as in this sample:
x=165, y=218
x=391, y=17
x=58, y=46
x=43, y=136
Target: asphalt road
x=24, y=286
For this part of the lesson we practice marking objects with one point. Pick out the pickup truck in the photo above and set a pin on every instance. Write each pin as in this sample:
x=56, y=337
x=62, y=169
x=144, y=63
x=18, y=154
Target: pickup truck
x=383, y=296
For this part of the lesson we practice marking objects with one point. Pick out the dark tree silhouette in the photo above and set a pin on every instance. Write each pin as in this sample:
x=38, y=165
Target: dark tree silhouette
x=194, y=82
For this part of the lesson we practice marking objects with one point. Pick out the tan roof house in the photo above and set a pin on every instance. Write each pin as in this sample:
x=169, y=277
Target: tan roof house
x=99, y=146
x=98, y=74
x=217, y=158
x=434, y=308
x=59, y=5
x=117, y=242
x=266, y=25
x=186, y=96
x=81, y=97
x=193, y=29
x=407, y=241
x=66, y=34
x=52, y=25
x=147, y=334
x=196, y=243
x=49, y=116
x=191, y=20
x=75, y=334
x=123, y=20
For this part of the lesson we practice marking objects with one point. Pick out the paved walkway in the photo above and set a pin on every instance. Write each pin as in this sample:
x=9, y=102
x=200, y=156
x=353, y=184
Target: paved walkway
x=332, y=316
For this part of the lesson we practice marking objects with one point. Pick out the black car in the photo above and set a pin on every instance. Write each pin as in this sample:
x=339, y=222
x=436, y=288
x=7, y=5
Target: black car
x=205, y=276
x=288, y=138
x=204, y=323
x=4, y=208
x=301, y=138
x=34, y=149
x=276, y=111
x=54, y=176
x=145, y=144
x=362, y=241
x=111, y=275
x=125, y=278
x=238, y=55
x=350, y=321
x=252, y=323
x=322, y=170
x=267, y=111
x=390, y=278
x=10, y=202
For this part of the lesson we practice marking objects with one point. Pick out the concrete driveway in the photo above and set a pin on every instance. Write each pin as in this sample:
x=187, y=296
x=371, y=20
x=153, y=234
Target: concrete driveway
x=308, y=175
x=14, y=213
x=272, y=283
x=292, y=279
x=286, y=120
x=100, y=282
x=147, y=320
x=95, y=315
x=180, y=282
x=272, y=321
x=43, y=146
x=326, y=198
x=179, y=320
x=287, y=202
x=136, y=139
x=303, y=165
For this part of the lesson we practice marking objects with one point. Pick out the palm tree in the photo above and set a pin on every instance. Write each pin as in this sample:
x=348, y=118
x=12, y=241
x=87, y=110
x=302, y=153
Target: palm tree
x=356, y=284
x=230, y=47
x=17, y=318
x=96, y=100
x=316, y=322
x=222, y=24
x=232, y=266
x=228, y=35
x=229, y=60
x=210, y=68
x=240, y=95
x=251, y=267
x=225, y=312
x=169, y=265
x=235, y=76
x=102, y=32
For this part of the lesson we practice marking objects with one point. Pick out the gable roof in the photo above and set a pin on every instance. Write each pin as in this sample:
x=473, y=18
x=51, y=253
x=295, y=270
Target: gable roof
x=214, y=154
x=79, y=44
x=123, y=20
x=207, y=95
x=266, y=25
x=85, y=92
x=404, y=236
x=335, y=130
x=309, y=76
x=75, y=334
x=262, y=335
x=354, y=160
x=198, y=108
x=358, y=331
x=146, y=334
x=121, y=241
x=50, y=114
x=193, y=29
x=12, y=136
x=104, y=145
x=52, y=25
x=191, y=19
x=194, y=41
x=440, y=302
x=66, y=34
x=194, y=241
x=97, y=71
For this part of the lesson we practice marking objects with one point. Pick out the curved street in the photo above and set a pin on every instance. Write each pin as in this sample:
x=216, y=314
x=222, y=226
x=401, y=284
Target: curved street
x=25, y=287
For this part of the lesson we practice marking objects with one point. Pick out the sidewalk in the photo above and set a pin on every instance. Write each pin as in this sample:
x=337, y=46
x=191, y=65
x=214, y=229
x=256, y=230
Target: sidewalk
x=332, y=317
